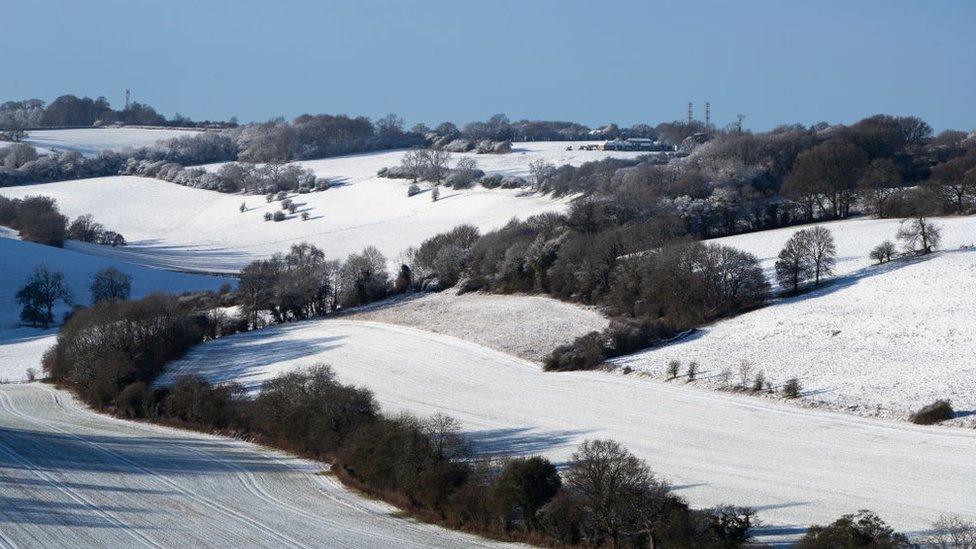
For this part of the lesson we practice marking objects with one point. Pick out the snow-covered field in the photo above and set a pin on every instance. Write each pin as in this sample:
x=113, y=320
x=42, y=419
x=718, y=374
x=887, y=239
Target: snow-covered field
x=521, y=325
x=91, y=141
x=72, y=478
x=795, y=466
x=22, y=347
x=189, y=229
x=877, y=340
x=358, y=167
x=854, y=239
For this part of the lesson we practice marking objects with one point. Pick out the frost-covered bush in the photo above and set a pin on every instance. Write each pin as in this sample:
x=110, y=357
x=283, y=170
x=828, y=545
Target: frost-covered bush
x=791, y=389
x=493, y=181
x=413, y=189
x=673, y=368
x=279, y=216
x=940, y=410
x=268, y=216
x=759, y=382
x=883, y=252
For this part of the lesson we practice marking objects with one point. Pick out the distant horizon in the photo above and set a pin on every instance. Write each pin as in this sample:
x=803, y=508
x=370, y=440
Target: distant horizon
x=698, y=115
x=628, y=63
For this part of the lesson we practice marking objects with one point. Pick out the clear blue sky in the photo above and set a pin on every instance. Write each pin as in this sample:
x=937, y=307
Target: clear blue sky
x=590, y=61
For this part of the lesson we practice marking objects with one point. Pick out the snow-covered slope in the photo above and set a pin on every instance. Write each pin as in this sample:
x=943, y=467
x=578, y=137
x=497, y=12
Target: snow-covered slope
x=21, y=347
x=91, y=141
x=527, y=326
x=358, y=167
x=795, y=466
x=176, y=227
x=854, y=239
x=73, y=478
x=877, y=340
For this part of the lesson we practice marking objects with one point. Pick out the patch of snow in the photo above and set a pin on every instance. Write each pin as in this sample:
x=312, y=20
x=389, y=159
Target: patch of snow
x=91, y=141
x=526, y=326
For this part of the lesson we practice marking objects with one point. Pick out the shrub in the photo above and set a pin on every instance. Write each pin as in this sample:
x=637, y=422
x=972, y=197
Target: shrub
x=940, y=410
x=759, y=381
x=31, y=375
x=692, y=370
x=278, y=216
x=584, y=353
x=861, y=529
x=883, y=252
x=304, y=216
x=523, y=487
x=561, y=518
x=791, y=389
x=268, y=216
x=196, y=401
x=135, y=400
x=310, y=411
x=725, y=376
x=286, y=204
x=745, y=373
x=94, y=354
x=413, y=189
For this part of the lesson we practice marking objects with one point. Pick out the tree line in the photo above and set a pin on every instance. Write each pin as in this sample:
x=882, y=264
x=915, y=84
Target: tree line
x=38, y=219
x=72, y=111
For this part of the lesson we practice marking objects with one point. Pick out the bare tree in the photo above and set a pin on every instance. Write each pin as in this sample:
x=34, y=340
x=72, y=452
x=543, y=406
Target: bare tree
x=617, y=491
x=542, y=172
x=446, y=438
x=919, y=235
x=793, y=266
x=745, y=372
x=110, y=283
x=952, y=532
x=427, y=164
x=883, y=252
x=37, y=297
x=822, y=250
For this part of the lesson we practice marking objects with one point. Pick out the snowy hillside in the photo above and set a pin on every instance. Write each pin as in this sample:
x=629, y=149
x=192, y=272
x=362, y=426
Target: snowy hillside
x=91, y=141
x=76, y=478
x=877, y=340
x=527, y=326
x=716, y=448
x=364, y=166
x=21, y=347
x=181, y=228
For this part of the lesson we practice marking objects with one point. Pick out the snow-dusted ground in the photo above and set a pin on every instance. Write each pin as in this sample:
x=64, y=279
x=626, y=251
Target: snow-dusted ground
x=72, y=478
x=180, y=228
x=522, y=325
x=795, y=466
x=854, y=239
x=22, y=347
x=91, y=141
x=358, y=167
x=878, y=340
